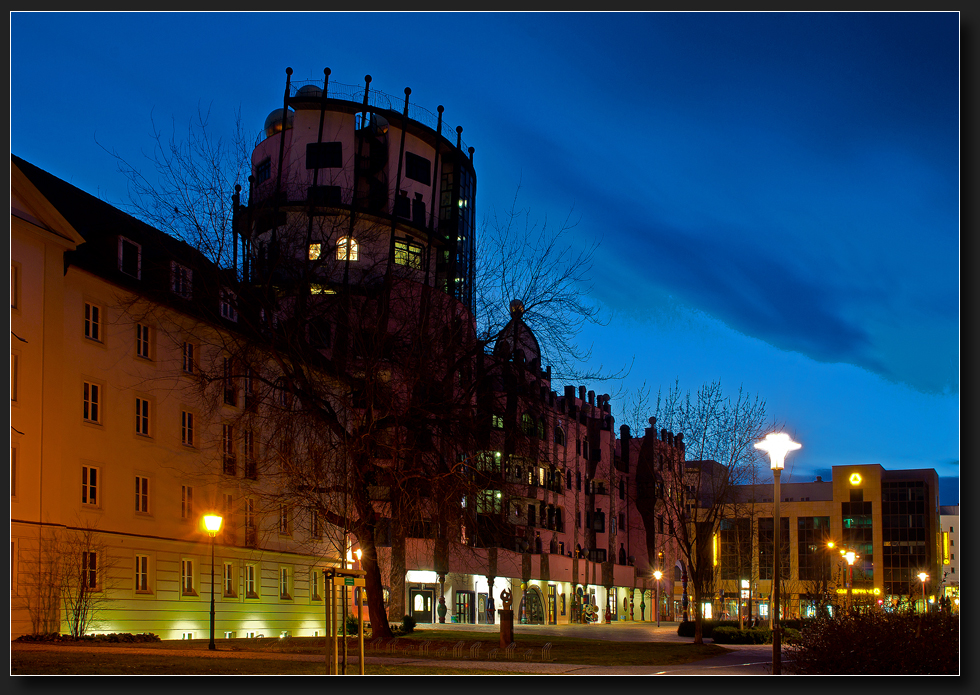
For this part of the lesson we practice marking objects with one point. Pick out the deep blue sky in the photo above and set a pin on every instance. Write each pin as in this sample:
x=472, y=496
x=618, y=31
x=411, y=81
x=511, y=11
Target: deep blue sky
x=776, y=193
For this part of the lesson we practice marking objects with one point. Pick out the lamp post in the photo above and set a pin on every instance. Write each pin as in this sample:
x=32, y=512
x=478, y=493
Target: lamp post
x=657, y=574
x=212, y=522
x=777, y=445
x=922, y=578
x=850, y=556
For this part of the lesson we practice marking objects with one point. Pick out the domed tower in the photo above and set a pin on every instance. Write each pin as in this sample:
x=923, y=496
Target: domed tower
x=359, y=184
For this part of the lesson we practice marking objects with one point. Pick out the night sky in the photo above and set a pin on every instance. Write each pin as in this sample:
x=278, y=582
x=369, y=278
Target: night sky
x=776, y=194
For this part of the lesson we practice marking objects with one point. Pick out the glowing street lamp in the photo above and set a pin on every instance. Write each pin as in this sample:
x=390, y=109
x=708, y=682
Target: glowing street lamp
x=850, y=556
x=657, y=574
x=922, y=578
x=777, y=445
x=212, y=522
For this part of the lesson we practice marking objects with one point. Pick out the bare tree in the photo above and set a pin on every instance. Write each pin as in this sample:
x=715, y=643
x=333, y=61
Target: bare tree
x=360, y=384
x=717, y=434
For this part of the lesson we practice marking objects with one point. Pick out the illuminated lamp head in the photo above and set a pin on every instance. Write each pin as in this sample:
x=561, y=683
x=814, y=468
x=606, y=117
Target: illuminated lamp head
x=777, y=445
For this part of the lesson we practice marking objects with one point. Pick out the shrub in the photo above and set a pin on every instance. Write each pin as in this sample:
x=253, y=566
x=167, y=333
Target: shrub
x=408, y=624
x=352, y=625
x=753, y=635
x=877, y=643
x=108, y=637
x=686, y=628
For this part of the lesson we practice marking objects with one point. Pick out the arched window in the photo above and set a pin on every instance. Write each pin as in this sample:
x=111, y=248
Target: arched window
x=346, y=249
x=560, y=437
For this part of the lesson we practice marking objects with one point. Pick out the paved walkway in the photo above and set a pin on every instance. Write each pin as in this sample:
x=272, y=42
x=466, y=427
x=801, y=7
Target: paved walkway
x=741, y=660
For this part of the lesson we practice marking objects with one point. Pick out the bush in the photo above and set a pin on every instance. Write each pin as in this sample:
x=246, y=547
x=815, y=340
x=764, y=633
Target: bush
x=753, y=635
x=408, y=624
x=108, y=637
x=352, y=625
x=686, y=628
x=877, y=643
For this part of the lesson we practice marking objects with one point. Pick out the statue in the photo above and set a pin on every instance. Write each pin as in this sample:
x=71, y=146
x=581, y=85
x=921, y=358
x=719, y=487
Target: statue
x=505, y=597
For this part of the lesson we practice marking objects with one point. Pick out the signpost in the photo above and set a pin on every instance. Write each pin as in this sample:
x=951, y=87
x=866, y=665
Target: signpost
x=342, y=578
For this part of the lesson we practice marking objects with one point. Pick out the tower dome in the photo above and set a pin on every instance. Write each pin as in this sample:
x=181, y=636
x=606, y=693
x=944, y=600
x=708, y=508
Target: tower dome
x=274, y=122
x=309, y=91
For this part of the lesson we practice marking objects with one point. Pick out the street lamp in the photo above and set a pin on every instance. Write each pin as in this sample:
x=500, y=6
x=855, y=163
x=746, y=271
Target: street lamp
x=777, y=445
x=657, y=574
x=922, y=578
x=850, y=556
x=212, y=522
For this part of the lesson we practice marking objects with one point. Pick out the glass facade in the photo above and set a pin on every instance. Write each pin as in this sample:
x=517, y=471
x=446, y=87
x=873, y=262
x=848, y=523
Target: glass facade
x=904, y=529
x=766, y=547
x=858, y=525
x=813, y=556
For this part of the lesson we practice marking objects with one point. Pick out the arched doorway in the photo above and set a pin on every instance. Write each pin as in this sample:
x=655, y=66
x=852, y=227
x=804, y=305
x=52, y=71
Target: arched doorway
x=532, y=607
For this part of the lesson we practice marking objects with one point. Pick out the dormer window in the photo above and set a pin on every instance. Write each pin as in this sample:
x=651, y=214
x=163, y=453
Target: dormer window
x=227, y=305
x=130, y=256
x=180, y=280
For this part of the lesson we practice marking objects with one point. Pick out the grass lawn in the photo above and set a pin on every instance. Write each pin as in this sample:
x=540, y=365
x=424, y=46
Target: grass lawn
x=66, y=659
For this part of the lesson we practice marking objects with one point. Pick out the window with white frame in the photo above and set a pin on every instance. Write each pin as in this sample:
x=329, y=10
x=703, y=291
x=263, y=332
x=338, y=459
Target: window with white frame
x=228, y=304
x=188, y=358
x=284, y=520
x=130, y=257
x=230, y=388
x=93, y=321
x=90, y=570
x=229, y=465
x=91, y=402
x=251, y=585
x=142, y=574
x=250, y=531
x=142, y=494
x=315, y=584
x=228, y=579
x=90, y=486
x=285, y=590
x=187, y=577
x=186, y=502
x=248, y=451
x=314, y=523
x=181, y=279
x=143, y=341
x=142, y=416
x=186, y=428
x=346, y=249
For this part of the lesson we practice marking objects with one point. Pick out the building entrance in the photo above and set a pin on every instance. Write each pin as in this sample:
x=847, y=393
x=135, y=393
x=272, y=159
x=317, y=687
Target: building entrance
x=421, y=601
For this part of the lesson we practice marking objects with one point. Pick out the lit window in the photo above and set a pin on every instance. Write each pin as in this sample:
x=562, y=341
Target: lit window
x=346, y=249
x=498, y=422
x=315, y=251
x=142, y=494
x=93, y=321
x=409, y=254
x=181, y=280
x=142, y=416
x=186, y=428
x=90, y=486
x=142, y=340
x=91, y=399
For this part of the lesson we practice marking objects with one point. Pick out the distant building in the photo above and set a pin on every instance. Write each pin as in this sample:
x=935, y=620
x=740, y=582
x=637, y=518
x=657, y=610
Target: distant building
x=949, y=517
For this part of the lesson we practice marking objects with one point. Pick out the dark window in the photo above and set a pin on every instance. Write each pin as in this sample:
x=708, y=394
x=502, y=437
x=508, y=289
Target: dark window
x=324, y=195
x=418, y=168
x=403, y=207
x=129, y=257
x=324, y=155
x=263, y=172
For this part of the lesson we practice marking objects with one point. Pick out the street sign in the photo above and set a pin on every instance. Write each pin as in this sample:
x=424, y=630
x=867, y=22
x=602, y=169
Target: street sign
x=348, y=581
